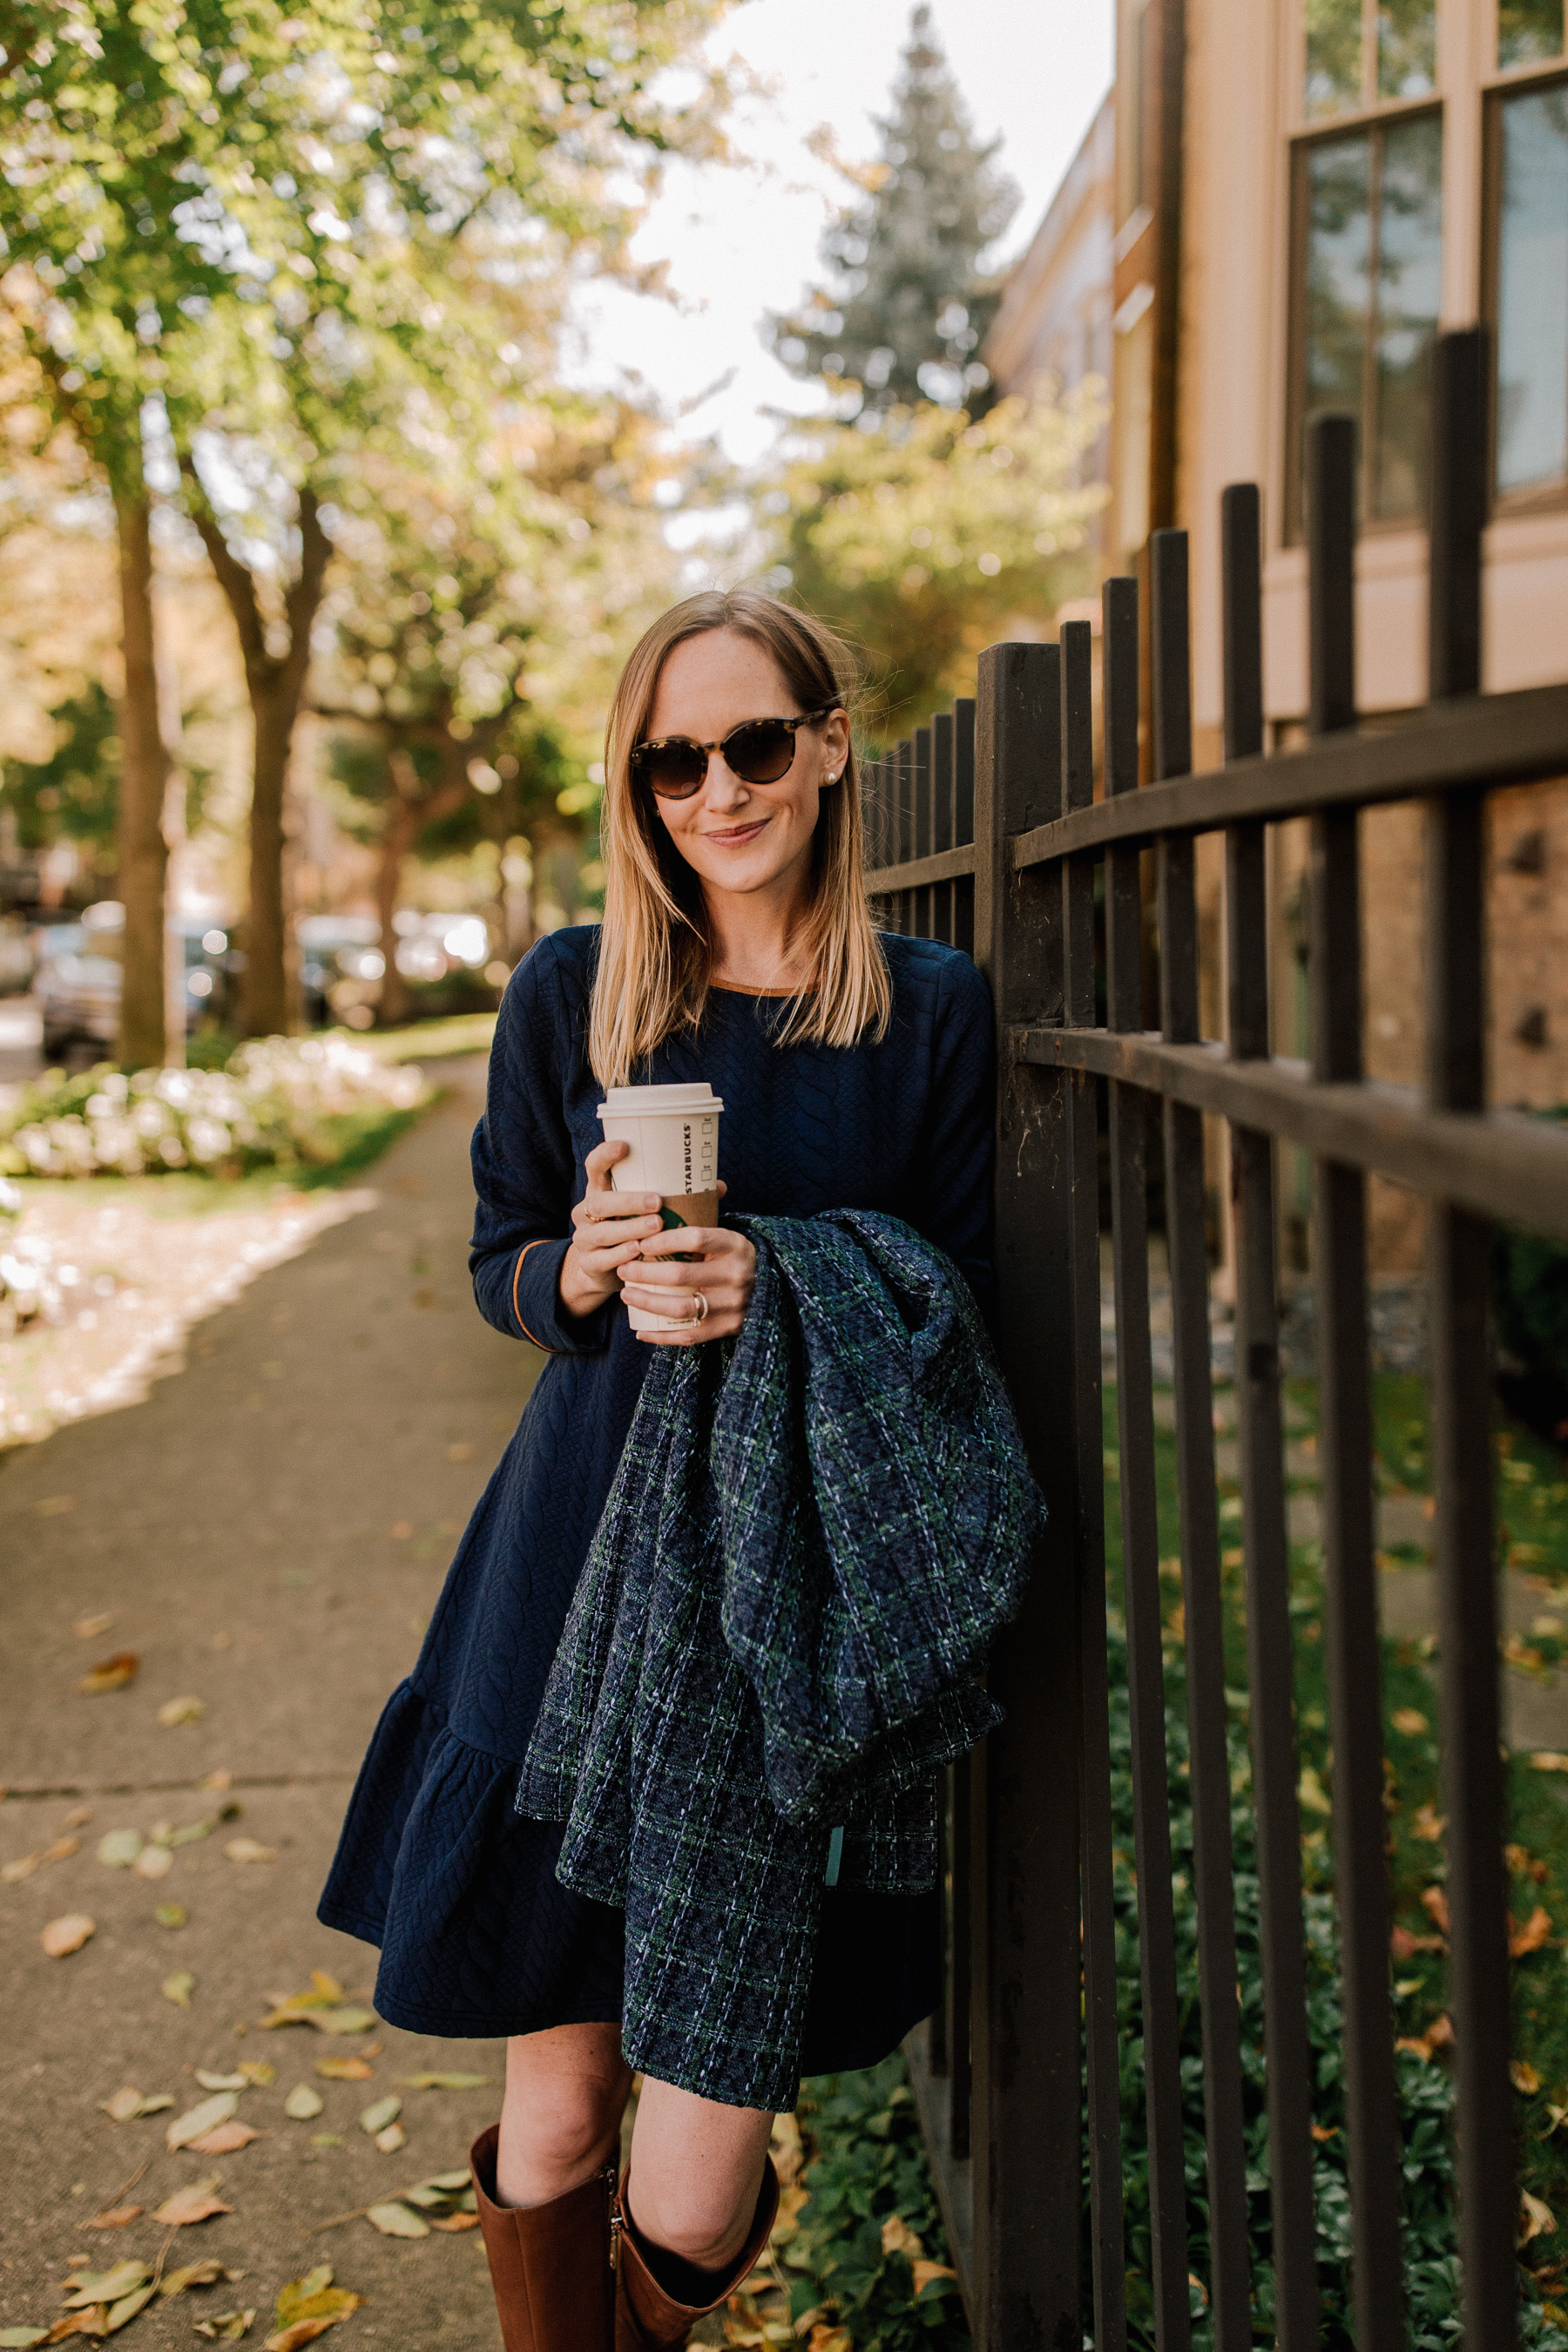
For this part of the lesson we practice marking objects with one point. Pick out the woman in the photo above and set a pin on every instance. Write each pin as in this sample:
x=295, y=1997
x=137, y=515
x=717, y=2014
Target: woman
x=856, y=1072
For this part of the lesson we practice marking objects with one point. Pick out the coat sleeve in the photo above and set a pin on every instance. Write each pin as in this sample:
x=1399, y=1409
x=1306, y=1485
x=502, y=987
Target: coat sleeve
x=961, y=1138
x=526, y=1174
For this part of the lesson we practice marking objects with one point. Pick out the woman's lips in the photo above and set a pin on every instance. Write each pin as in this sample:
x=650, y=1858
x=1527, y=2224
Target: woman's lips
x=738, y=833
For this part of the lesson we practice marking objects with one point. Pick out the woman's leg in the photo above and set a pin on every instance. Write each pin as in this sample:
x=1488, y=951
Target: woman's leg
x=561, y=2117
x=696, y=2169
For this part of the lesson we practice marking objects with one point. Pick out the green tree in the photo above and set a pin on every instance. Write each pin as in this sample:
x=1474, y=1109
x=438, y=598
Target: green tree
x=457, y=605
x=925, y=536
x=904, y=310
x=230, y=211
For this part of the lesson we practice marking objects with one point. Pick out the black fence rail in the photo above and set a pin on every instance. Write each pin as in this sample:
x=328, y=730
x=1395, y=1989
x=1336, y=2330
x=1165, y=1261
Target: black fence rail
x=986, y=831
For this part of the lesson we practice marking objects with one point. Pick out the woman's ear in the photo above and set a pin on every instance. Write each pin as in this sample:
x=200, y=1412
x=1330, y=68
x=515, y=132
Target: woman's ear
x=836, y=748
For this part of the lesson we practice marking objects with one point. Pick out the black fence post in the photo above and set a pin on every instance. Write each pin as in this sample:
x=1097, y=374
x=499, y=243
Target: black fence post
x=1025, y=2033
x=1458, y=1251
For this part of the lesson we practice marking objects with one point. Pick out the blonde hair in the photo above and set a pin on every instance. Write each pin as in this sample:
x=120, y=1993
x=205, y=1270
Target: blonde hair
x=655, y=951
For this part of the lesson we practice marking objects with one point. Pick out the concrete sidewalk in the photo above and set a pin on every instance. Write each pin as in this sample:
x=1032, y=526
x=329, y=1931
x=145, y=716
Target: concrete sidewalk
x=267, y=1534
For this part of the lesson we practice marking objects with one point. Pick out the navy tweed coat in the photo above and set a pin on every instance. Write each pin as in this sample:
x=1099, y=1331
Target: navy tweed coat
x=477, y=1937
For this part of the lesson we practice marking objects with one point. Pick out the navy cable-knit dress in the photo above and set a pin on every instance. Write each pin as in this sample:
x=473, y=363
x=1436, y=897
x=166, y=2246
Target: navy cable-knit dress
x=477, y=1936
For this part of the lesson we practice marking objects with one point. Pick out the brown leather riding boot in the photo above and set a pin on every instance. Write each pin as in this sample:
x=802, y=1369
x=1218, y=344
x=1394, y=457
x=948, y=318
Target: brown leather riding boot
x=649, y=2320
x=550, y=2265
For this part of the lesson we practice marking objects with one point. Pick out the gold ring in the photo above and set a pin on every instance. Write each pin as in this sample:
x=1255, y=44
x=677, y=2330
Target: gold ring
x=702, y=1314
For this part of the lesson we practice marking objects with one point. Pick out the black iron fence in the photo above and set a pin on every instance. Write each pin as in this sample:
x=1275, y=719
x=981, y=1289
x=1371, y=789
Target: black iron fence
x=986, y=831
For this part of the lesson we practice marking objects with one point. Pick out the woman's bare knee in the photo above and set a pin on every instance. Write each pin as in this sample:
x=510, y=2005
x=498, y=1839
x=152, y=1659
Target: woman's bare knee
x=696, y=2171
x=561, y=2117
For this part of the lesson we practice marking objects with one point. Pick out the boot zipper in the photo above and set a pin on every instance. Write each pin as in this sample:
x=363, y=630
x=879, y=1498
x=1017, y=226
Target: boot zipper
x=617, y=2218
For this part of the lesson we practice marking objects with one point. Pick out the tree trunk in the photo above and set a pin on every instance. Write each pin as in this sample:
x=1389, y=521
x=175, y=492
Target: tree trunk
x=143, y=770
x=264, y=998
x=397, y=838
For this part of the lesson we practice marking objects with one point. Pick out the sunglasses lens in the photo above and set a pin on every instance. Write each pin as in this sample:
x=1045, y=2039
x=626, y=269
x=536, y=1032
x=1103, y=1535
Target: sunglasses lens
x=761, y=752
x=673, y=771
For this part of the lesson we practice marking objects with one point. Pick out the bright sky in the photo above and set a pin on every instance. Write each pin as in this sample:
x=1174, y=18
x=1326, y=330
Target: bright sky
x=741, y=242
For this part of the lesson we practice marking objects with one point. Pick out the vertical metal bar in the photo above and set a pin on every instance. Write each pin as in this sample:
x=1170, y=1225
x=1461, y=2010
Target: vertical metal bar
x=922, y=910
x=1263, y=1533
x=964, y=817
x=1098, y=1868
x=1187, y=1241
x=1473, y=1784
x=942, y=820
x=1024, y=2017
x=1140, y=1511
x=958, y=1966
x=906, y=802
x=1344, y=1435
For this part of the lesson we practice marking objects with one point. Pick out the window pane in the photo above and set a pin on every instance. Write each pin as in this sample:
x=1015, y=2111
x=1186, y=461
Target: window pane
x=1528, y=30
x=1333, y=56
x=1338, y=257
x=1406, y=47
x=1410, y=255
x=1533, y=292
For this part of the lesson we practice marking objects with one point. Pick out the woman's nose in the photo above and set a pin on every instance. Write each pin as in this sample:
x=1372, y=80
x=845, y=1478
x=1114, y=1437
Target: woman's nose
x=725, y=789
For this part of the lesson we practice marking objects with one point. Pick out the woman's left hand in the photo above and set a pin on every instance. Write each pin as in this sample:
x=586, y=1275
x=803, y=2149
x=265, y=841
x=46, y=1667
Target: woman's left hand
x=677, y=1268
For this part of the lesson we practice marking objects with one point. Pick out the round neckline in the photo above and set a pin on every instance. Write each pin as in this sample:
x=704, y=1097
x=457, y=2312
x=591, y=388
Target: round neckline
x=727, y=988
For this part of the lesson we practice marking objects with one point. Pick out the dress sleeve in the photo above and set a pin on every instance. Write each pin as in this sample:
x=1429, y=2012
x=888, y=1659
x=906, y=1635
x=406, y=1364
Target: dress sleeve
x=526, y=1175
x=962, y=1136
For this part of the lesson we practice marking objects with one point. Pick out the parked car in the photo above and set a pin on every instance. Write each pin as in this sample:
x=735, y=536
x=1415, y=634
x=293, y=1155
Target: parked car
x=80, y=975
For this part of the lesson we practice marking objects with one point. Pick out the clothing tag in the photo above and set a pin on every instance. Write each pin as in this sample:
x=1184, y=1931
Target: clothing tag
x=835, y=1856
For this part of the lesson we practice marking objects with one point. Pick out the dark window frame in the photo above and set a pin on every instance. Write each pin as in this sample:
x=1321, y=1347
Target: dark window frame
x=1372, y=122
x=1521, y=81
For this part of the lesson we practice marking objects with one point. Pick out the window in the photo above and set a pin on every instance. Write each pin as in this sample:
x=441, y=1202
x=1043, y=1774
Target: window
x=1528, y=288
x=1529, y=32
x=1362, y=52
x=1369, y=249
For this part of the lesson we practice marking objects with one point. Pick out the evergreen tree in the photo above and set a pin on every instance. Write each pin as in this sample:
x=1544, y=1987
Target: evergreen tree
x=905, y=309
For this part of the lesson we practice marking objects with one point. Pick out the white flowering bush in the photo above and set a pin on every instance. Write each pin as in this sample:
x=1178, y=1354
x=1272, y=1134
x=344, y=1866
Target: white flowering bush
x=282, y=1102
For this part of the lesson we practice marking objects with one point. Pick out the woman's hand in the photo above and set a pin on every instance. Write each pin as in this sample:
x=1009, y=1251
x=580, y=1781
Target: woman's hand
x=722, y=1269
x=608, y=1229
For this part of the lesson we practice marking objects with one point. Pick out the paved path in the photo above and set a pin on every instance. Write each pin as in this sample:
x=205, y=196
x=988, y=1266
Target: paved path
x=267, y=1533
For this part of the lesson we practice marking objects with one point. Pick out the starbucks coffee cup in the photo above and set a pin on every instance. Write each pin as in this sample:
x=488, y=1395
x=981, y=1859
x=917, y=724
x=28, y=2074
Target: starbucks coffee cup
x=673, y=1132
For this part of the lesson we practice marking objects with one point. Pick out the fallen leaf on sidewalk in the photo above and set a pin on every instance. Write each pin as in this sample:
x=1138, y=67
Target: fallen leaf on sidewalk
x=187, y=1708
x=122, y=2312
x=78, y=1817
x=235, y=2081
x=195, y=2202
x=308, y=2307
x=20, y=2337
x=112, y=1674
x=248, y=1849
x=179, y=1987
x=444, y=2082
x=129, y=2102
x=88, y=1629
x=223, y=2140
x=153, y=1862
x=118, y=1849
x=302, y=2103
x=68, y=1933
x=383, y=2112
x=105, y=2286
x=344, y=2070
x=392, y=2139
x=82, y=2323
x=189, y=2275
x=121, y=2219
x=204, y=2119
x=23, y=1867
x=227, y=2327
x=456, y=2221
x=257, y=2073
x=61, y=1851
x=397, y=2221
x=171, y=1915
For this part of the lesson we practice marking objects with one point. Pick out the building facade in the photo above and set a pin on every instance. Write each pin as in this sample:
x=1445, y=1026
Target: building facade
x=1305, y=193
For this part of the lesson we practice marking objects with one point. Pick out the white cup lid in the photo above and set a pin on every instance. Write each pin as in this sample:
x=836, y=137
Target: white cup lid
x=658, y=1100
